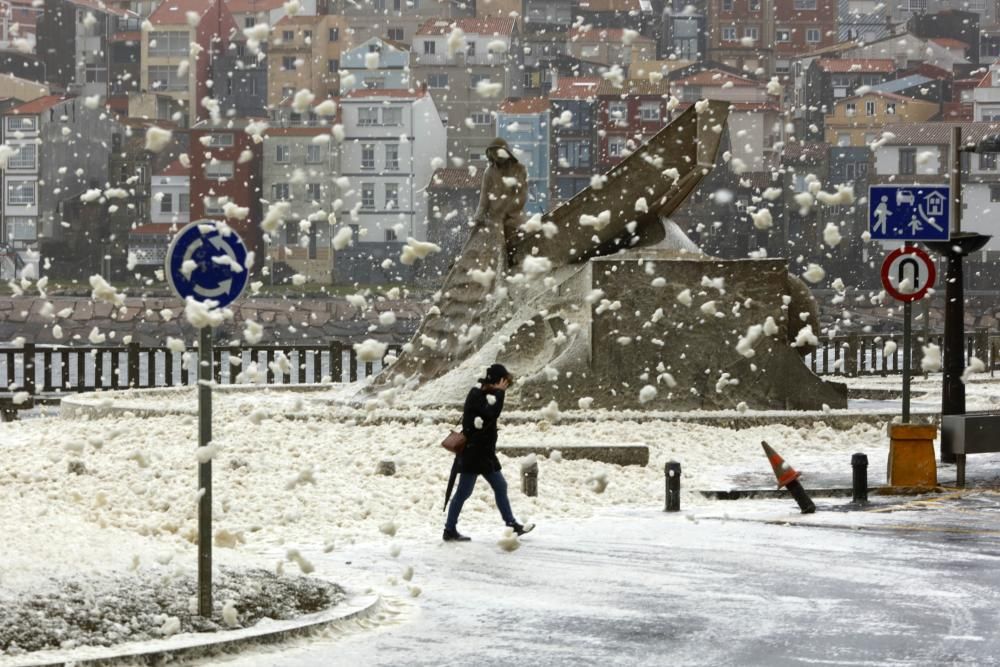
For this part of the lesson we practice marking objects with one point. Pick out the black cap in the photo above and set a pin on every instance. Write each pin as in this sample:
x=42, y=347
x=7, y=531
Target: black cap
x=494, y=374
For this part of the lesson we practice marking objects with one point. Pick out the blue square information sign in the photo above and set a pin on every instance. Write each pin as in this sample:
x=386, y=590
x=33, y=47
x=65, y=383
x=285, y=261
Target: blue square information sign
x=909, y=212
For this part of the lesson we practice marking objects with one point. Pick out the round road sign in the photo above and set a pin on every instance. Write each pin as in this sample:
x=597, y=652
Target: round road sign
x=206, y=263
x=907, y=273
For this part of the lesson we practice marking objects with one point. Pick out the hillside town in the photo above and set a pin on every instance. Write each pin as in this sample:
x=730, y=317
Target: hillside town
x=373, y=117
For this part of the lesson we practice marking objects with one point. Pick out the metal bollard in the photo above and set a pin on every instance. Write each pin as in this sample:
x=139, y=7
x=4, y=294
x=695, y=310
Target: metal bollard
x=529, y=479
x=672, y=472
x=859, y=485
x=386, y=467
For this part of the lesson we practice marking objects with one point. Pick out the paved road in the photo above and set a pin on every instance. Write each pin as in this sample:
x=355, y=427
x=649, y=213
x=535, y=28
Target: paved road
x=914, y=587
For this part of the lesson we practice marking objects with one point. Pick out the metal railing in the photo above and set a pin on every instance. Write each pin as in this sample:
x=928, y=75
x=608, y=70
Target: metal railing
x=49, y=370
x=852, y=355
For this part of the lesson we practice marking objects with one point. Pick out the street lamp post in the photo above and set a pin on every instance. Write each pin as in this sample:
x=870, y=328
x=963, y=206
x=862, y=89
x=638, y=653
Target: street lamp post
x=954, y=250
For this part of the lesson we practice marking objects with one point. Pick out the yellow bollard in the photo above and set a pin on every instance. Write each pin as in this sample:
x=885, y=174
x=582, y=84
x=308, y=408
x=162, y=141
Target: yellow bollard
x=911, y=455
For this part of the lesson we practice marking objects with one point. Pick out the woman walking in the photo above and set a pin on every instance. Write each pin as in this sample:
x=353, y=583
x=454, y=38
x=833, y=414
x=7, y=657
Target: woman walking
x=479, y=425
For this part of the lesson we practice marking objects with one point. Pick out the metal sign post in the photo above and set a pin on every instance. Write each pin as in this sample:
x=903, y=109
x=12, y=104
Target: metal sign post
x=206, y=262
x=908, y=273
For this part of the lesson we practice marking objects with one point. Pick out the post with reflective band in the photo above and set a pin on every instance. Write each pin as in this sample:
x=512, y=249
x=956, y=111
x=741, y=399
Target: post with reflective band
x=205, y=473
x=672, y=472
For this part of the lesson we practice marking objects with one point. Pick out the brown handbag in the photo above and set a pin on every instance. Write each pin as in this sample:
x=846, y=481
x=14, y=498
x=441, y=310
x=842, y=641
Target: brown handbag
x=455, y=442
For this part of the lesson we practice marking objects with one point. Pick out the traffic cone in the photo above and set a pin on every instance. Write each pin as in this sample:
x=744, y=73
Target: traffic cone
x=788, y=477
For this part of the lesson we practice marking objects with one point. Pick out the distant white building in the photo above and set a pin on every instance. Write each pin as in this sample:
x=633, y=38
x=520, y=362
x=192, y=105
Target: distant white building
x=171, y=195
x=986, y=95
x=919, y=153
x=393, y=140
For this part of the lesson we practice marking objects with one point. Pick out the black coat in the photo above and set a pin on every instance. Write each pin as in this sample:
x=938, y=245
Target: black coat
x=480, y=454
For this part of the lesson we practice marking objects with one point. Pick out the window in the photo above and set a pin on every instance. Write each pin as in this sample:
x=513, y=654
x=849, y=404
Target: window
x=808, y=4
x=24, y=158
x=367, y=195
x=727, y=5
x=392, y=115
x=392, y=157
x=213, y=205
x=168, y=43
x=20, y=123
x=183, y=202
x=332, y=65
x=281, y=153
x=22, y=229
x=843, y=139
x=783, y=35
x=618, y=113
x=852, y=109
x=334, y=35
x=812, y=35
x=751, y=32
x=165, y=77
x=167, y=203
x=754, y=5
x=287, y=35
x=907, y=161
x=216, y=140
x=437, y=80
x=574, y=154
x=287, y=63
x=307, y=35
x=374, y=83
x=988, y=161
x=650, y=111
x=249, y=21
x=481, y=118
x=476, y=79
x=994, y=192
x=729, y=34
x=367, y=156
x=391, y=196
x=314, y=191
x=367, y=115
x=616, y=146
x=21, y=193
x=429, y=48
x=870, y=108
x=395, y=34
x=314, y=153
x=280, y=192
x=390, y=235
x=219, y=170
x=470, y=48
x=890, y=108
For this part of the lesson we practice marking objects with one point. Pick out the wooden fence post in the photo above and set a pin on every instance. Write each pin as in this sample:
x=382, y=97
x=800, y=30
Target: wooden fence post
x=133, y=364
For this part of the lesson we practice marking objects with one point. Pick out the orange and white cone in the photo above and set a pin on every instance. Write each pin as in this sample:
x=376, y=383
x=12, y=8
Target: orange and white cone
x=788, y=477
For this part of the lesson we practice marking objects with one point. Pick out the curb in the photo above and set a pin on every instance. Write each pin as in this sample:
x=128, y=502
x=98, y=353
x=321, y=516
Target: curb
x=740, y=494
x=196, y=645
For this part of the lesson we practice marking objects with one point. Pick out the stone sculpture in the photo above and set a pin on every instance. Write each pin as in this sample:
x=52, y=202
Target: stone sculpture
x=603, y=301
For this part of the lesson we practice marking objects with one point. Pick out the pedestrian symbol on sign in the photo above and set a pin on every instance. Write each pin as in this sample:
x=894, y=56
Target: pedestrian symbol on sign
x=909, y=212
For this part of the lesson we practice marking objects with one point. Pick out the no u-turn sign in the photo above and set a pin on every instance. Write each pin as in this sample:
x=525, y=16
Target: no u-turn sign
x=907, y=273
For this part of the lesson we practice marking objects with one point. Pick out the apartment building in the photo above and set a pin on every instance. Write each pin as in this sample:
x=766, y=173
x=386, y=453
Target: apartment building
x=468, y=82
x=859, y=120
x=393, y=70
x=526, y=126
x=169, y=88
x=627, y=116
x=574, y=140
x=393, y=141
x=398, y=20
x=305, y=52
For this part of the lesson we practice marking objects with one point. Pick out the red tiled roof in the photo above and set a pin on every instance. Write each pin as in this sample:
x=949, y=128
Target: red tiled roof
x=155, y=229
x=846, y=65
x=452, y=177
x=949, y=43
x=579, y=34
x=364, y=93
x=634, y=87
x=526, y=105
x=174, y=12
x=938, y=133
x=38, y=105
x=175, y=168
x=492, y=25
x=716, y=78
x=574, y=89
x=252, y=6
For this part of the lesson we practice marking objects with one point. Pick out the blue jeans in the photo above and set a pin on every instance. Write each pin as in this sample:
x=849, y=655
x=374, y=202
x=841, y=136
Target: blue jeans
x=466, y=483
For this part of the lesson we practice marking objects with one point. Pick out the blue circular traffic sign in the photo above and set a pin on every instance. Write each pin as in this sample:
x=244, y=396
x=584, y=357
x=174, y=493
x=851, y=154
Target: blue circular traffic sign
x=207, y=263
